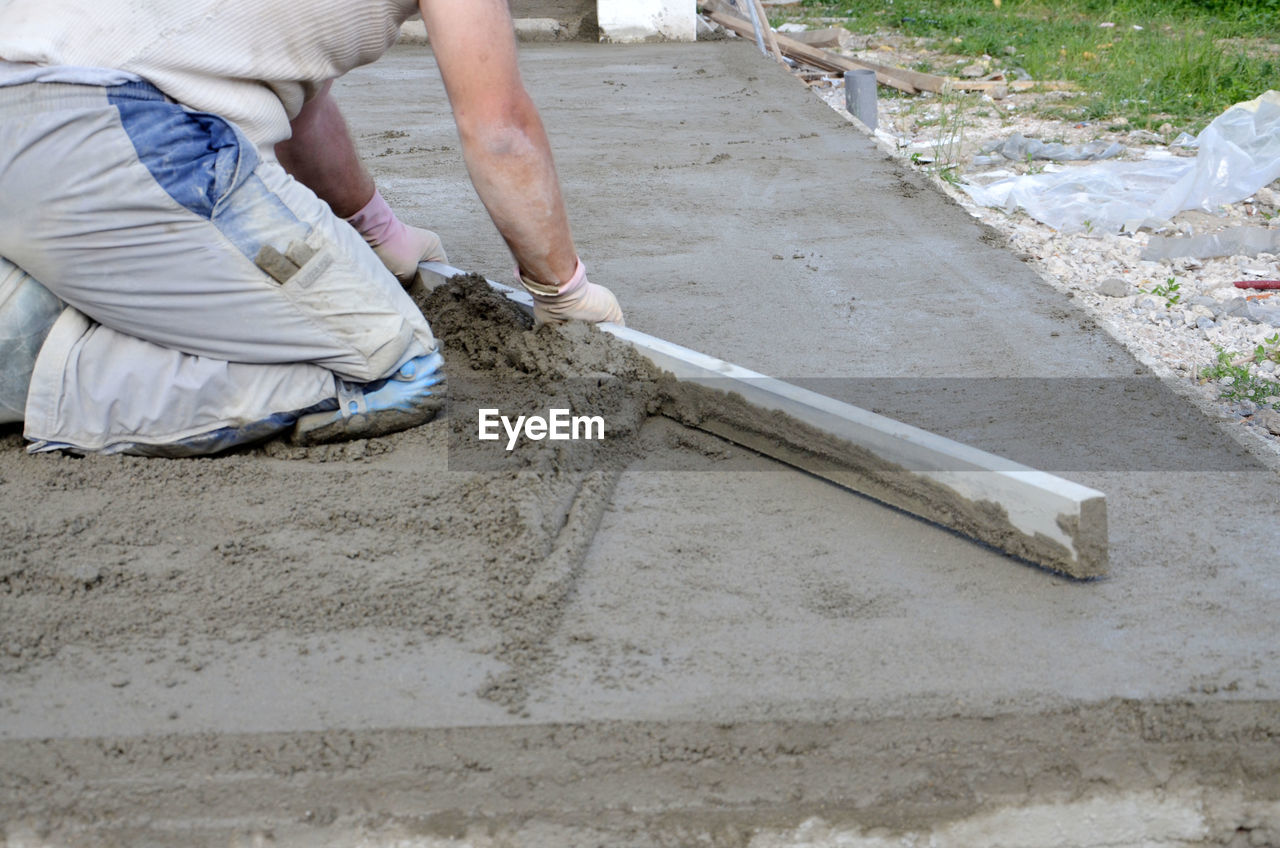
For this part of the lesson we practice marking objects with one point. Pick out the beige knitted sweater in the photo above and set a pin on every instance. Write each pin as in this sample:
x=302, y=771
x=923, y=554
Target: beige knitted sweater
x=254, y=62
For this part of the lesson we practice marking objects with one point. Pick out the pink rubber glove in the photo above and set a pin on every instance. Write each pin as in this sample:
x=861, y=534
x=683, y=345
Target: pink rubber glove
x=399, y=247
x=576, y=300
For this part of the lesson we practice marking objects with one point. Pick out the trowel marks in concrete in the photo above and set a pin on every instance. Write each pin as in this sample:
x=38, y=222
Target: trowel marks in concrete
x=121, y=552
x=124, y=552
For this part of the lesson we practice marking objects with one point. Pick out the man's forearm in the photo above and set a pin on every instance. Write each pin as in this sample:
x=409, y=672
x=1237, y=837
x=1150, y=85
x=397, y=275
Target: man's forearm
x=503, y=140
x=322, y=156
x=515, y=177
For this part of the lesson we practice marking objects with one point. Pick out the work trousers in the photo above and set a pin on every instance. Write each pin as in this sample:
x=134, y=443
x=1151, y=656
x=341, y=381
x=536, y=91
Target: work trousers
x=204, y=288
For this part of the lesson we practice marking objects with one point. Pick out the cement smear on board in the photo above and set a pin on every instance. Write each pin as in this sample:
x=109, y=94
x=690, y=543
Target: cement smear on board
x=858, y=468
x=605, y=376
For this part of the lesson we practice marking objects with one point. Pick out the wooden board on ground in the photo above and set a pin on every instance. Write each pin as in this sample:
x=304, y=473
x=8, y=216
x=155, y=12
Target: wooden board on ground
x=795, y=47
x=899, y=78
x=1030, y=514
x=829, y=37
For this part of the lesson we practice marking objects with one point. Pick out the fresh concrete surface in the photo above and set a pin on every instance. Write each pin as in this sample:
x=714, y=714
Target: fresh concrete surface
x=743, y=647
x=578, y=17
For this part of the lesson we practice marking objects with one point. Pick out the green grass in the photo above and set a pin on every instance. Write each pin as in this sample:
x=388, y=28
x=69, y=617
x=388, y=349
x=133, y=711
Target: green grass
x=1231, y=371
x=1190, y=61
x=1237, y=383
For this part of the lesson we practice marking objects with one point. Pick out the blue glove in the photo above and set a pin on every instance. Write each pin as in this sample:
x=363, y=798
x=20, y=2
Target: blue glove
x=410, y=397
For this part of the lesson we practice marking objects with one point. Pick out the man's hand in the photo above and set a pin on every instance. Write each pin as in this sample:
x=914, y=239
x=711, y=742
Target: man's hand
x=576, y=300
x=400, y=247
x=509, y=157
x=402, y=255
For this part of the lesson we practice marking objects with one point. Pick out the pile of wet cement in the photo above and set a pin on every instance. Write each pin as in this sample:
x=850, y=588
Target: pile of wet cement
x=496, y=360
x=126, y=554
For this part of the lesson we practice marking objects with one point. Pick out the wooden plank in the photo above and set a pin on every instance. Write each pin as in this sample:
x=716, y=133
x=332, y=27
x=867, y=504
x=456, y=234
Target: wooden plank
x=795, y=47
x=899, y=78
x=829, y=37
x=1036, y=516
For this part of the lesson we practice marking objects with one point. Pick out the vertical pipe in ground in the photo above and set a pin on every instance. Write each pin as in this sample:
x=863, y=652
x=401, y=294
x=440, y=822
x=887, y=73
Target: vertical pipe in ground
x=860, y=96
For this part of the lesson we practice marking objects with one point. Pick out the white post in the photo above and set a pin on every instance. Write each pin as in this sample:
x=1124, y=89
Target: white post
x=647, y=20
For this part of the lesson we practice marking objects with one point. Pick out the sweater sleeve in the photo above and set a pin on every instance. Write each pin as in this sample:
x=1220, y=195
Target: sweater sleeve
x=253, y=62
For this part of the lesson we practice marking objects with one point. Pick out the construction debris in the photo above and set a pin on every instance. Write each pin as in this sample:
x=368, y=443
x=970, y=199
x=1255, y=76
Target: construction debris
x=903, y=80
x=832, y=37
x=1019, y=148
x=808, y=50
x=1235, y=241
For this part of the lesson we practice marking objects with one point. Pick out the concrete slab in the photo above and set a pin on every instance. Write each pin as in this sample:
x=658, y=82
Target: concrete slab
x=741, y=648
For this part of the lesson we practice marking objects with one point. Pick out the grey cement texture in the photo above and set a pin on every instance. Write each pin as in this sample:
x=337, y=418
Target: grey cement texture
x=687, y=644
x=578, y=17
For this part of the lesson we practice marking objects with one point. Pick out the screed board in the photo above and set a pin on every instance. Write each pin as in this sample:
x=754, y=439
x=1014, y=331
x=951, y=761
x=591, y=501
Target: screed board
x=1030, y=514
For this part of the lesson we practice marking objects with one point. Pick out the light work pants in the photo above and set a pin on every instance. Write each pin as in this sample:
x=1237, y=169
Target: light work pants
x=149, y=223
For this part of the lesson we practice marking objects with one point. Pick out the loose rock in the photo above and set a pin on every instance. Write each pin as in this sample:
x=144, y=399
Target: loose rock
x=1236, y=307
x=1269, y=420
x=1113, y=287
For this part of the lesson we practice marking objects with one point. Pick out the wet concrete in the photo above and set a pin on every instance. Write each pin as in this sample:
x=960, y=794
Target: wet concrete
x=742, y=647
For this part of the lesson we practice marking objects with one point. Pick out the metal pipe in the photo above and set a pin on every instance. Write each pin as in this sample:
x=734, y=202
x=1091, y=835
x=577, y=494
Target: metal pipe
x=860, y=96
x=755, y=23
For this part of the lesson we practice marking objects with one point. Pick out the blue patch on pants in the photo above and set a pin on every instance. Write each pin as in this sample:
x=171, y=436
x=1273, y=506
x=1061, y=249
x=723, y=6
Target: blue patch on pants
x=207, y=166
x=196, y=157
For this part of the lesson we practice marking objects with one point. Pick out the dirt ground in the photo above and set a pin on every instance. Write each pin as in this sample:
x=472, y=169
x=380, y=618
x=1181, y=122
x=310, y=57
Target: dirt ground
x=662, y=639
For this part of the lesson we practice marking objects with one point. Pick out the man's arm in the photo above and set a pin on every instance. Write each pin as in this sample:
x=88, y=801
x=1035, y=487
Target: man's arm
x=321, y=156
x=503, y=140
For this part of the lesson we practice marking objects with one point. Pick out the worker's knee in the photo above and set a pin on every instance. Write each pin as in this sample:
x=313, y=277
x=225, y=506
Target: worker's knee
x=334, y=278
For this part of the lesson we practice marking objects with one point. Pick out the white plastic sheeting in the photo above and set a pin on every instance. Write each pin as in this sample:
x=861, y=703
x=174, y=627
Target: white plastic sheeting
x=1239, y=153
